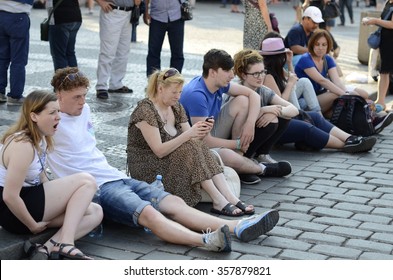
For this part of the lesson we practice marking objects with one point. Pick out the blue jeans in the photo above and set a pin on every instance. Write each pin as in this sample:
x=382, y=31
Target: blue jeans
x=123, y=200
x=14, y=51
x=157, y=31
x=62, y=39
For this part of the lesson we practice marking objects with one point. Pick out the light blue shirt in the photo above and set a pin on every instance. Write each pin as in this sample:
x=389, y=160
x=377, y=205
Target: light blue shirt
x=165, y=10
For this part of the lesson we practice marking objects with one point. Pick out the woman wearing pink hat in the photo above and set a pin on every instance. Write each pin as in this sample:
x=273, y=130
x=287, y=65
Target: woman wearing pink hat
x=286, y=84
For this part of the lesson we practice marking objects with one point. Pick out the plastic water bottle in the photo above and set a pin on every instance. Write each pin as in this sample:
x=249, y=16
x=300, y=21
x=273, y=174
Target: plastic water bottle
x=98, y=232
x=158, y=182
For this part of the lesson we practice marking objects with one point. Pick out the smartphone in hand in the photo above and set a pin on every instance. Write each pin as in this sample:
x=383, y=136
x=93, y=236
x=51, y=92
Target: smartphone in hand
x=208, y=119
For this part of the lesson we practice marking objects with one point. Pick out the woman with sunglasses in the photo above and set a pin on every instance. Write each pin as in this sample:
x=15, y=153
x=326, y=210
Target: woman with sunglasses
x=161, y=141
x=29, y=201
x=314, y=134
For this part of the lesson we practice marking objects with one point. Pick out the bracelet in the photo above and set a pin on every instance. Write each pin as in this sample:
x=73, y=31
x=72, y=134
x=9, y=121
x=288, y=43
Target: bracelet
x=238, y=144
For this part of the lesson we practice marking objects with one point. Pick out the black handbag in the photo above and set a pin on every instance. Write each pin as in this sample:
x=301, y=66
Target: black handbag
x=331, y=10
x=135, y=14
x=185, y=9
x=44, y=27
x=375, y=38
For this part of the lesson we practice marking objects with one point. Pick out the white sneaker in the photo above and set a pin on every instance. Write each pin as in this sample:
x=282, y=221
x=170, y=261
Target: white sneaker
x=217, y=241
x=265, y=159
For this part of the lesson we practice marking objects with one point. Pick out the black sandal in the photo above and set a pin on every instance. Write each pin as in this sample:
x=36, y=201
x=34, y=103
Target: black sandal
x=242, y=206
x=35, y=251
x=227, y=211
x=61, y=255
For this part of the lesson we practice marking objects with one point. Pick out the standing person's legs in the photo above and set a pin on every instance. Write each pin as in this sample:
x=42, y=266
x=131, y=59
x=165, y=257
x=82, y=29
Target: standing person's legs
x=119, y=64
x=176, y=41
x=5, y=52
x=19, y=47
x=348, y=4
x=383, y=85
x=342, y=4
x=157, y=32
x=109, y=39
x=70, y=53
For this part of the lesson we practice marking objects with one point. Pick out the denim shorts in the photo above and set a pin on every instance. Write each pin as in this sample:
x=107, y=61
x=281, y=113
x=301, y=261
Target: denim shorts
x=123, y=200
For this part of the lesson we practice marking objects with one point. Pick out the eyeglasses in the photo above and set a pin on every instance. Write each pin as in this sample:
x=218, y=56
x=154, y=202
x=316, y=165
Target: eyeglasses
x=170, y=73
x=72, y=77
x=256, y=75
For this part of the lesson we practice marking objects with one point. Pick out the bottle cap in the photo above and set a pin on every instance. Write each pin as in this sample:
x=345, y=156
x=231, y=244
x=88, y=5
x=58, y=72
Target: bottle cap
x=159, y=177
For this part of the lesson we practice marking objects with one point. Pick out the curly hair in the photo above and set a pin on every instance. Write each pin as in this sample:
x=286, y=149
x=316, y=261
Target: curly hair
x=69, y=78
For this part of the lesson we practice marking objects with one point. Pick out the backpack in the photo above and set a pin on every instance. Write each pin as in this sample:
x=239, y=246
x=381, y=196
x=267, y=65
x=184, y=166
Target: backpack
x=352, y=114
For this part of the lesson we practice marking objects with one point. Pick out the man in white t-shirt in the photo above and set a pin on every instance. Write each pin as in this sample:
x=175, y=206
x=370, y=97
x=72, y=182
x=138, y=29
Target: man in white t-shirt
x=129, y=201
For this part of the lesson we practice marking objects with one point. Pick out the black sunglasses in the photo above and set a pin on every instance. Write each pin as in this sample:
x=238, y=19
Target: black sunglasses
x=170, y=73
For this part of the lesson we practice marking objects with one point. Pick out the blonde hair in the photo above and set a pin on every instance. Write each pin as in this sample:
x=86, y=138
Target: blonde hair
x=164, y=78
x=35, y=102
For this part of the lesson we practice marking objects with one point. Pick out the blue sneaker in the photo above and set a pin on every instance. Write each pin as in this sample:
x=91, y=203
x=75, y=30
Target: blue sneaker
x=254, y=226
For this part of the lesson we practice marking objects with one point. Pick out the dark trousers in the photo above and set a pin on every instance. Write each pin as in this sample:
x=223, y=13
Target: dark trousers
x=157, y=31
x=14, y=51
x=266, y=137
x=62, y=39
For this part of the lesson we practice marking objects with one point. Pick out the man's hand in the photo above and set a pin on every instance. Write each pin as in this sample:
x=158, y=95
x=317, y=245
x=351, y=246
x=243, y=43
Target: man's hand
x=105, y=5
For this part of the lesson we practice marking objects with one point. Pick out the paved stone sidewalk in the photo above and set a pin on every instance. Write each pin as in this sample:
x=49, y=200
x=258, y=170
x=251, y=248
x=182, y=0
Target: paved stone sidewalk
x=333, y=205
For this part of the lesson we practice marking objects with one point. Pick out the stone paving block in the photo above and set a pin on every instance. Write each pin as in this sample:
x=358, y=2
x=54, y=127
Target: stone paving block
x=381, y=203
x=322, y=238
x=277, y=197
x=316, y=202
x=261, y=201
x=306, y=226
x=375, y=256
x=337, y=222
x=366, y=168
x=285, y=243
x=346, y=198
x=289, y=254
x=198, y=253
x=388, y=196
x=327, y=189
x=295, y=184
x=298, y=179
x=354, y=207
x=336, y=251
x=384, y=189
x=316, y=175
x=324, y=182
x=307, y=193
x=105, y=252
x=367, y=194
x=357, y=186
x=387, y=165
x=159, y=255
x=284, y=231
x=314, y=168
x=377, y=227
x=383, y=237
x=349, y=232
x=348, y=178
x=366, y=245
x=381, y=182
x=290, y=207
x=378, y=175
x=343, y=166
x=279, y=190
x=323, y=211
x=262, y=250
x=372, y=218
x=388, y=211
x=343, y=172
x=254, y=257
x=296, y=216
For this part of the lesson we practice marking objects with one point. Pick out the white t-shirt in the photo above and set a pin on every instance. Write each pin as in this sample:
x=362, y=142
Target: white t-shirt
x=75, y=150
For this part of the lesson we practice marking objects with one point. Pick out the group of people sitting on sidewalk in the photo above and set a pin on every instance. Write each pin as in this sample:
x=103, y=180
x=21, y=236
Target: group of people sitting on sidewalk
x=170, y=132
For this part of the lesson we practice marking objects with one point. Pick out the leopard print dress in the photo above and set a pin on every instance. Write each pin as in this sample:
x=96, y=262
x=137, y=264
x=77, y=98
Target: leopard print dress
x=182, y=170
x=255, y=27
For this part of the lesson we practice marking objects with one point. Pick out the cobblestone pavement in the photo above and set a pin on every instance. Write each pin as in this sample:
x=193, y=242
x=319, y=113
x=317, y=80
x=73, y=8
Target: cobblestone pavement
x=333, y=205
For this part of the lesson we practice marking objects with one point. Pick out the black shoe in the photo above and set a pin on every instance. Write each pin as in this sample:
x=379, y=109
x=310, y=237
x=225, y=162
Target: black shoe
x=341, y=24
x=249, y=179
x=102, y=94
x=279, y=169
x=358, y=144
x=381, y=122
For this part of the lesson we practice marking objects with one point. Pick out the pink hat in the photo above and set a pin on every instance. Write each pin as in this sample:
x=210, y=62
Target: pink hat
x=272, y=46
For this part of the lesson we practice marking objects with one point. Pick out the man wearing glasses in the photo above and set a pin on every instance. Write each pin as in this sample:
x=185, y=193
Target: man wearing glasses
x=126, y=200
x=297, y=37
x=234, y=117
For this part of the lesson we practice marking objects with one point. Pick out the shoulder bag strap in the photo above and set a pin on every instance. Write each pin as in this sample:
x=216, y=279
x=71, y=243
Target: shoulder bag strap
x=53, y=10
